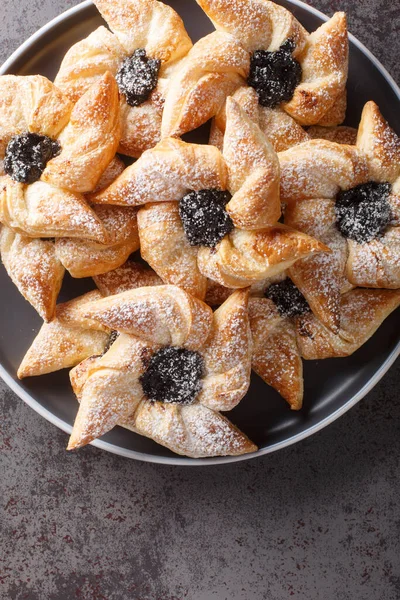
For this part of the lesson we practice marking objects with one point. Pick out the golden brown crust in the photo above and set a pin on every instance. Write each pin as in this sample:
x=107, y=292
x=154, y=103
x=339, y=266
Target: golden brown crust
x=253, y=171
x=42, y=210
x=324, y=63
x=258, y=25
x=275, y=356
x=34, y=268
x=227, y=355
x=380, y=144
x=31, y=103
x=128, y=276
x=109, y=390
x=147, y=24
x=163, y=244
x=109, y=387
x=84, y=258
x=319, y=169
x=160, y=315
x=87, y=61
x=244, y=257
x=65, y=341
x=194, y=431
x=362, y=312
x=89, y=141
x=340, y=135
x=375, y=264
x=212, y=70
x=166, y=172
x=320, y=278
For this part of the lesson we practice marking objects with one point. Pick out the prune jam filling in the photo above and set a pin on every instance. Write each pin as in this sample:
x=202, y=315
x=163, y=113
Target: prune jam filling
x=111, y=340
x=173, y=375
x=274, y=75
x=137, y=77
x=204, y=217
x=287, y=298
x=27, y=155
x=363, y=212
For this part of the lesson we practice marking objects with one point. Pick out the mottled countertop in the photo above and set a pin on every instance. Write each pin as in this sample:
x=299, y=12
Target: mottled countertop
x=319, y=520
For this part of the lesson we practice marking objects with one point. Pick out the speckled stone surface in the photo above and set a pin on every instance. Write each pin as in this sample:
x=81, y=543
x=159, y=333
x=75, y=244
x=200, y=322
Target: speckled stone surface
x=319, y=520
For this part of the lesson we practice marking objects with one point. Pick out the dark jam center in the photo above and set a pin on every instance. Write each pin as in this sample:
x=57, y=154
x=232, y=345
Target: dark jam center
x=173, y=375
x=204, y=217
x=287, y=298
x=363, y=212
x=27, y=155
x=137, y=77
x=274, y=75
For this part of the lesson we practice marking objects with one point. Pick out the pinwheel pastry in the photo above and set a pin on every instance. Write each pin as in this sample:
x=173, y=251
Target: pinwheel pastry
x=347, y=197
x=301, y=74
x=285, y=330
x=52, y=152
x=34, y=268
x=173, y=366
x=147, y=42
x=209, y=214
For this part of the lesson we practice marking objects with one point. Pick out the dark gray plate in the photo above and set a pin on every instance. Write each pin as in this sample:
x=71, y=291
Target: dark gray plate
x=331, y=386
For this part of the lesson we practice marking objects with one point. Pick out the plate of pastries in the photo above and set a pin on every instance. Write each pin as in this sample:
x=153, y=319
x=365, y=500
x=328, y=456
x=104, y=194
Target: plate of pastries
x=199, y=213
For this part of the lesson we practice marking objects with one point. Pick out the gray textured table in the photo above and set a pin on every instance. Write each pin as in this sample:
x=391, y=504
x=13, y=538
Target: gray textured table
x=319, y=520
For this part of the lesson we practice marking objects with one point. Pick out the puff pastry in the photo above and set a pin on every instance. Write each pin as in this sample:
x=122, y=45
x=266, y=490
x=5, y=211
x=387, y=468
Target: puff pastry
x=34, y=268
x=135, y=24
x=249, y=169
x=43, y=210
x=371, y=172
x=281, y=130
x=67, y=340
x=85, y=258
x=152, y=320
x=206, y=78
x=87, y=133
x=280, y=342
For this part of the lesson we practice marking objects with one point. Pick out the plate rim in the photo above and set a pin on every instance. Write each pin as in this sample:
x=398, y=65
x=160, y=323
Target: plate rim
x=180, y=460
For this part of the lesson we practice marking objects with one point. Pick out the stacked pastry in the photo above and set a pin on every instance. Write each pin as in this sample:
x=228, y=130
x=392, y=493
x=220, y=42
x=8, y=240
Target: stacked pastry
x=311, y=281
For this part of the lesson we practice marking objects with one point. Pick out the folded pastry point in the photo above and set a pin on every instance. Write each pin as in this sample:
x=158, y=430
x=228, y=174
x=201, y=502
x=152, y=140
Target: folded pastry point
x=147, y=24
x=166, y=173
x=227, y=357
x=34, y=268
x=244, y=257
x=160, y=315
x=164, y=245
x=303, y=178
x=380, y=144
x=89, y=141
x=65, y=341
x=324, y=62
x=43, y=210
x=276, y=358
x=126, y=277
x=194, y=431
x=109, y=391
x=320, y=278
x=212, y=70
x=253, y=171
x=362, y=312
x=257, y=25
x=85, y=258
